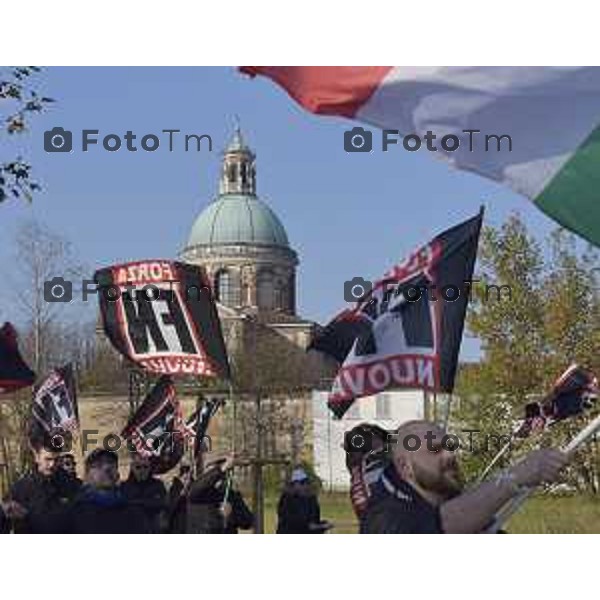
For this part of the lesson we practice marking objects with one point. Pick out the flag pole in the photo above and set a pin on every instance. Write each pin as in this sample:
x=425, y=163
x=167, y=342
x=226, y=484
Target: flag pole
x=229, y=481
x=500, y=453
x=233, y=416
x=494, y=460
x=515, y=503
x=76, y=402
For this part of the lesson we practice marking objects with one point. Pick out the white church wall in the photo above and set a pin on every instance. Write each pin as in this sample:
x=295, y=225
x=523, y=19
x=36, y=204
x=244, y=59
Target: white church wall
x=388, y=410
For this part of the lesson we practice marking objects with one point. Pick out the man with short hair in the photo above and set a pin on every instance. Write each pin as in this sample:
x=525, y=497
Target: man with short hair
x=68, y=464
x=365, y=463
x=421, y=491
x=101, y=507
x=37, y=502
x=145, y=491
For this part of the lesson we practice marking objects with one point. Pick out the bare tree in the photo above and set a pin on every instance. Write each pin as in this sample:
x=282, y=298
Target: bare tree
x=40, y=257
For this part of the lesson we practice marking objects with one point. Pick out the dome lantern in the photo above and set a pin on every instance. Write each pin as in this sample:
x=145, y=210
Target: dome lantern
x=238, y=170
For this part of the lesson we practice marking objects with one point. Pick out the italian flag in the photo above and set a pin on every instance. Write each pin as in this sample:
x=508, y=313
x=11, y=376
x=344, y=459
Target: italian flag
x=551, y=114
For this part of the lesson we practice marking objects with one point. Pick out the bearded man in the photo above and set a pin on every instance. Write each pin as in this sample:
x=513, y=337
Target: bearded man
x=421, y=489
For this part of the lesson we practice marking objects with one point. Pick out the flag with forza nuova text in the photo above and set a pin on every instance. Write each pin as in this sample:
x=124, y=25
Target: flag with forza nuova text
x=54, y=408
x=406, y=331
x=156, y=429
x=533, y=129
x=14, y=372
x=162, y=315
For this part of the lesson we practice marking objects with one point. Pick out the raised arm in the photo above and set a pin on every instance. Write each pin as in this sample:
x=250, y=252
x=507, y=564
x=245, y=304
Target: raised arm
x=474, y=510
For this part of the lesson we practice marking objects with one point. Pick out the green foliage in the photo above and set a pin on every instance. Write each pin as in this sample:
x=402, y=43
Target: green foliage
x=541, y=514
x=549, y=321
x=20, y=100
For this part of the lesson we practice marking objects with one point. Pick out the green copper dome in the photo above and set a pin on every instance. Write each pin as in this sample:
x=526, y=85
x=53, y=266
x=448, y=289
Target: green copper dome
x=237, y=219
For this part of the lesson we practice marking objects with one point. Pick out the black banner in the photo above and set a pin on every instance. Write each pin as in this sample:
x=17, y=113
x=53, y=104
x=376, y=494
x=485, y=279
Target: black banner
x=55, y=402
x=156, y=430
x=406, y=331
x=162, y=315
x=197, y=424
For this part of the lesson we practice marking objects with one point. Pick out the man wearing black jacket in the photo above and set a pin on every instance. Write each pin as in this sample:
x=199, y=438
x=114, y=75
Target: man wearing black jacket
x=236, y=513
x=421, y=490
x=38, y=501
x=208, y=508
x=298, y=510
x=145, y=491
x=101, y=507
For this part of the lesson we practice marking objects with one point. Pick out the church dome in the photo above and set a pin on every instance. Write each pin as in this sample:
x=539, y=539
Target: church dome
x=237, y=219
x=237, y=216
x=241, y=244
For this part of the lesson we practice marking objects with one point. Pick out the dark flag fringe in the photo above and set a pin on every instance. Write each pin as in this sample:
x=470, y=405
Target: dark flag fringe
x=14, y=372
x=162, y=315
x=394, y=338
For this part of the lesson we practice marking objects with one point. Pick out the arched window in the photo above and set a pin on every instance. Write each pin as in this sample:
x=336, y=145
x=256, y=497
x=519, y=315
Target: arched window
x=226, y=290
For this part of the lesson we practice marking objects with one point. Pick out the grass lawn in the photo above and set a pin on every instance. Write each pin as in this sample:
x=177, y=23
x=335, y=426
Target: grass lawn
x=567, y=514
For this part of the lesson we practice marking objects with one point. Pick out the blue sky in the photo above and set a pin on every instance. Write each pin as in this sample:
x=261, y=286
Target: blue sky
x=345, y=214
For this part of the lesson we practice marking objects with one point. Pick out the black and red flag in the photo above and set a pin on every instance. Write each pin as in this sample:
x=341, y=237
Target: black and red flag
x=156, y=430
x=197, y=425
x=406, y=331
x=55, y=402
x=14, y=372
x=162, y=315
x=572, y=394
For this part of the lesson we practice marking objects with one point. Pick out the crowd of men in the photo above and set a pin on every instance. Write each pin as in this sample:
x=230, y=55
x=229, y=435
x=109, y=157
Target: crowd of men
x=395, y=488
x=52, y=499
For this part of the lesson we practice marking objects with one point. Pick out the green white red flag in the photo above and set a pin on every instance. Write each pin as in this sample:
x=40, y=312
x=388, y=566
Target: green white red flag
x=551, y=113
